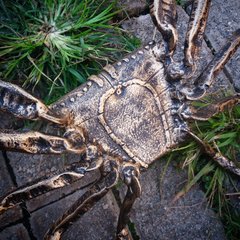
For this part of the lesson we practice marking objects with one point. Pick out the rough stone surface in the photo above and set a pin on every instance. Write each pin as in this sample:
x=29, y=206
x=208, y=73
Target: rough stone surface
x=98, y=223
x=7, y=185
x=223, y=21
x=156, y=216
x=143, y=28
x=49, y=207
x=132, y=8
x=17, y=232
x=28, y=167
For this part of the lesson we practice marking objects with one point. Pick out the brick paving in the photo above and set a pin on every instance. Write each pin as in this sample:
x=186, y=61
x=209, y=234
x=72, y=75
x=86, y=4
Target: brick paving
x=154, y=215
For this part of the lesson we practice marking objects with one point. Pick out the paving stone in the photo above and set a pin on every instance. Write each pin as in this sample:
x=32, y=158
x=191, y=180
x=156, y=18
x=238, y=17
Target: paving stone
x=29, y=167
x=7, y=121
x=17, y=232
x=223, y=21
x=157, y=217
x=6, y=183
x=154, y=214
x=132, y=8
x=6, y=186
x=47, y=208
x=10, y=217
x=143, y=28
x=4, y=120
x=98, y=223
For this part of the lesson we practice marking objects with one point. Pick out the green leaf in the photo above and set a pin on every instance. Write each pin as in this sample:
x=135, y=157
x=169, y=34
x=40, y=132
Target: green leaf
x=78, y=75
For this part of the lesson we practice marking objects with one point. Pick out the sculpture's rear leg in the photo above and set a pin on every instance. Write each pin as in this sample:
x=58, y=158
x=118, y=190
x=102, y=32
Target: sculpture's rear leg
x=37, y=189
x=130, y=174
x=206, y=112
x=109, y=179
x=30, y=191
x=215, y=155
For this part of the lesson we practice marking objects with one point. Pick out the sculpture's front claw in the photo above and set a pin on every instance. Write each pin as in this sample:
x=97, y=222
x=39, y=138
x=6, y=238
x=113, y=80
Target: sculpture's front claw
x=21, y=104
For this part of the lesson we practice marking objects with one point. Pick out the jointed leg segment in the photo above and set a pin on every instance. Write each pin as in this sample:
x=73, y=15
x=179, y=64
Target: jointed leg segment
x=85, y=202
x=196, y=28
x=133, y=192
x=202, y=83
x=42, y=187
x=216, y=156
x=164, y=16
x=74, y=172
x=18, y=102
x=204, y=113
x=36, y=142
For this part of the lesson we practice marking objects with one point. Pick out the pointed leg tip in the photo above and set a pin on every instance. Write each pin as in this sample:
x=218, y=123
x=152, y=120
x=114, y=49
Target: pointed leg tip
x=5, y=206
x=2, y=210
x=124, y=235
x=55, y=236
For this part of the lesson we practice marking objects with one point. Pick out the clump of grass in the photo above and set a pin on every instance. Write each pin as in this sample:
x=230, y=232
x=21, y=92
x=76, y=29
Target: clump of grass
x=57, y=44
x=179, y=2
x=220, y=186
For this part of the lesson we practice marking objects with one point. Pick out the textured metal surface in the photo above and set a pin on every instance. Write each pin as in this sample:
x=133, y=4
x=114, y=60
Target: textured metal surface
x=133, y=97
x=128, y=116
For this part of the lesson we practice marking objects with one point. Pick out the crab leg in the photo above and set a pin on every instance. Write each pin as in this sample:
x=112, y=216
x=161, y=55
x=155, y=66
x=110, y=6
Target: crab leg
x=74, y=173
x=133, y=192
x=204, y=113
x=21, y=104
x=35, y=190
x=36, y=142
x=164, y=15
x=84, y=203
x=216, y=156
x=196, y=28
x=202, y=83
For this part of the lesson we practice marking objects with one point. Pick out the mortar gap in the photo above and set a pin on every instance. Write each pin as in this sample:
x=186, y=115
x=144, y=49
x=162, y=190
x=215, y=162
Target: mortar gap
x=26, y=215
x=133, y=230
x=9, y=168
x=19, y=221
x=187, y=9
x=63, y=196
x=130, y=224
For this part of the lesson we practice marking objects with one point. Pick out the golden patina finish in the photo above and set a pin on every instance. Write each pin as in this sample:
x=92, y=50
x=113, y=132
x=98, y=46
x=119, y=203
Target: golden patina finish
x=122, y=120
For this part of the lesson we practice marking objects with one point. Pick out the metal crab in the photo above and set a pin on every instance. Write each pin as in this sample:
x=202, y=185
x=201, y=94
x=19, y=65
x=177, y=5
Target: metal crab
x=122, y=120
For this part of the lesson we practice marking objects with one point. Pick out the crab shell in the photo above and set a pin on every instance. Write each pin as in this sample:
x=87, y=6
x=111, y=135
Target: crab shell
x=128, y=108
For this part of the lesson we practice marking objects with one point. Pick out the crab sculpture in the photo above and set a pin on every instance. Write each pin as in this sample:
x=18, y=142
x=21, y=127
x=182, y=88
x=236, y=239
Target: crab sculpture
x=123, y=119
